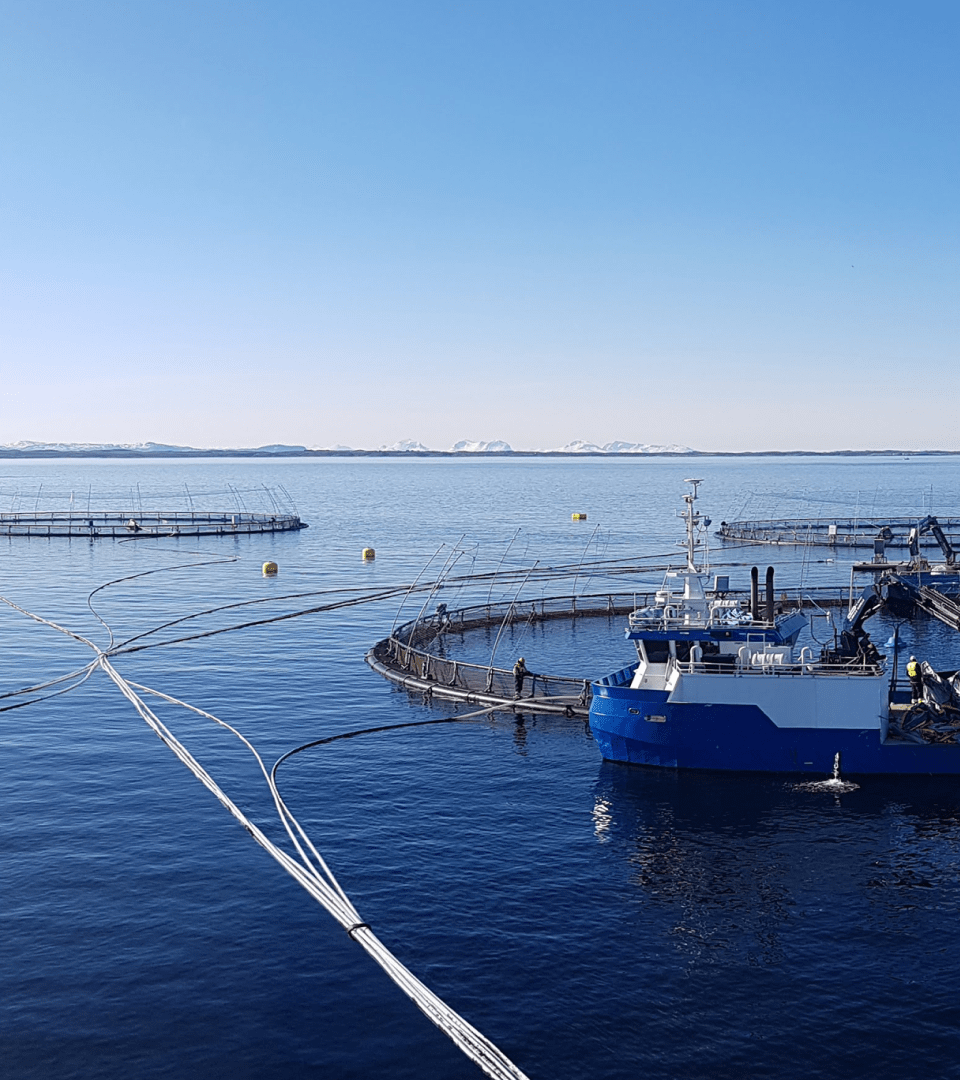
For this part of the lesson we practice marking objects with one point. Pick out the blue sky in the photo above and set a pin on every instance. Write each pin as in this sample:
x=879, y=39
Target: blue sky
x=731, y=225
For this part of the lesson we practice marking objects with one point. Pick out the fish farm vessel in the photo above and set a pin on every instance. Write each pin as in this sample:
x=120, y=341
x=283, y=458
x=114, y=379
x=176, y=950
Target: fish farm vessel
x=719, y=685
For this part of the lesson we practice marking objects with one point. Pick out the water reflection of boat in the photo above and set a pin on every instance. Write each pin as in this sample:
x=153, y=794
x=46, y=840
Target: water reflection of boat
x=719, y=686
x=727, y=861
x=710, y=806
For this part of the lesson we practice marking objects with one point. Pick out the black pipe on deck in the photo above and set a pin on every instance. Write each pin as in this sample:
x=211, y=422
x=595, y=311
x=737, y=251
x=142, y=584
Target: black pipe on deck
x=754, y=592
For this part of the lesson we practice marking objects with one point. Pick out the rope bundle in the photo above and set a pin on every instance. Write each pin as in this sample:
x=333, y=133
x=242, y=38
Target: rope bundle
x=308, y=868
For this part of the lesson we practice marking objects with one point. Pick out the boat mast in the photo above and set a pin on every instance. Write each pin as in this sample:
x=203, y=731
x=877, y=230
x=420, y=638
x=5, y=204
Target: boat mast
x=692, y=519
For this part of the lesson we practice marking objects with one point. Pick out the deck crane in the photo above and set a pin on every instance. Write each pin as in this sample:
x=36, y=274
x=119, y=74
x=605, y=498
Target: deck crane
x=930, y=524
x=913, y=585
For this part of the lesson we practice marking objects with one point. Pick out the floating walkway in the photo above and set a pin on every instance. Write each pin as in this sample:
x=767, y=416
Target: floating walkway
x=411, y=655
x=141, y=525
x=836, y=532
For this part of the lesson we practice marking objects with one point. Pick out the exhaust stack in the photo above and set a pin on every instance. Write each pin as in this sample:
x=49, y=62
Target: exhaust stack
x=754, y=593
x=769, y=613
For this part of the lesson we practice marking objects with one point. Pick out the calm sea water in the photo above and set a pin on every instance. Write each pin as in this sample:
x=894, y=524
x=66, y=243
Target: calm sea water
x=594, y=920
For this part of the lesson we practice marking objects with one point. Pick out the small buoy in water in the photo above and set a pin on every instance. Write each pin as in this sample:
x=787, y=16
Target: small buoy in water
x=270, y=568
x=579, y=517
x=368, y=553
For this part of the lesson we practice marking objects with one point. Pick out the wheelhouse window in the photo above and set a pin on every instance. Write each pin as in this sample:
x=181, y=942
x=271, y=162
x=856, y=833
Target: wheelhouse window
x=655, y=652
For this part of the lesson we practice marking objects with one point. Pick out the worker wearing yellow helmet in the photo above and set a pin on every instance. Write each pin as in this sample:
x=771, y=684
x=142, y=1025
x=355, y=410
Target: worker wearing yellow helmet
x=916, y=679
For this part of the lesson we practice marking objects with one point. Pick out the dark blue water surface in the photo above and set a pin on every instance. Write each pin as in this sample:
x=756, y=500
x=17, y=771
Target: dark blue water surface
x=594, y=920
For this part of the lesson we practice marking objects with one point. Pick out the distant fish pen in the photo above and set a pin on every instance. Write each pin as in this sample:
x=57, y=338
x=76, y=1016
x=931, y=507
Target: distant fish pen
x=836, y=532
x=143, y=526
x=93, y=517
x=411, y=655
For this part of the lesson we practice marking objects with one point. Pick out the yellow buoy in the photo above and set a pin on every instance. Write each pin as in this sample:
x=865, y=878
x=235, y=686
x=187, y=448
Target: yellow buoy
x=579, y=517
x=270, y=568
x=368, y=553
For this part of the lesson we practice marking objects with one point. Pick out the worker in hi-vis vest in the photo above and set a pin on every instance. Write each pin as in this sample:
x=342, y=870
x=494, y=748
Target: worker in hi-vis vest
x=916, y=679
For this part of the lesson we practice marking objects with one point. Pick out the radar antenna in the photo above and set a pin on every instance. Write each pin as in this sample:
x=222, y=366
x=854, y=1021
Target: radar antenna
x=692, y=519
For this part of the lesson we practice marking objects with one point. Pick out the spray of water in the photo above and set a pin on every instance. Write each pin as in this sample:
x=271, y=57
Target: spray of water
x=835, y=785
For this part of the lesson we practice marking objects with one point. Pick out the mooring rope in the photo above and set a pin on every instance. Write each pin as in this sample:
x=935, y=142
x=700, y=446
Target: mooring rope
x=365, y=597
x=317, y=878
x=147, y=573
x=350, y=602
x=37, y=687
x=311, y=871
x=80, y=675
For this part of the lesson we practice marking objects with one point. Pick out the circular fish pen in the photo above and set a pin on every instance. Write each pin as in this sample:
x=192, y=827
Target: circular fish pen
x=410, y=657
x=839, y=532
x=123, y=515
x=138, y=526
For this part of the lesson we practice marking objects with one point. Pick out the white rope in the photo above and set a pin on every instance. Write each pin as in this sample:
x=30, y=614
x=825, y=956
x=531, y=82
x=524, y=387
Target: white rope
x=320, y=882
x=314, y=875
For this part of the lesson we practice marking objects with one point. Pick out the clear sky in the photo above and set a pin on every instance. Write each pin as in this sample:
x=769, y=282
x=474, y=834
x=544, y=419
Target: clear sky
x=731, y=224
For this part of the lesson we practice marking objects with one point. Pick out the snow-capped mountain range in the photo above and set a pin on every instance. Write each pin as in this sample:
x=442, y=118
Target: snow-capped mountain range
x=578, y=446
x=26, y=446
x=498, y=446
x=412, y=446
x=581, y=447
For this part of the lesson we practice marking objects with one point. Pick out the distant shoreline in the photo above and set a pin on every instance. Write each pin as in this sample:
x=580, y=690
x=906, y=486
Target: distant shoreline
x=177, y=455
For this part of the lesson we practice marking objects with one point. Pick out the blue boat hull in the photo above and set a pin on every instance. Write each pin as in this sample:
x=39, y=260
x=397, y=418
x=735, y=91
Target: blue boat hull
x=688, y=735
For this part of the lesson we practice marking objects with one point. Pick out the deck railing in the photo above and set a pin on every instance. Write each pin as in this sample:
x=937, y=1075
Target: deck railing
x=784, y=670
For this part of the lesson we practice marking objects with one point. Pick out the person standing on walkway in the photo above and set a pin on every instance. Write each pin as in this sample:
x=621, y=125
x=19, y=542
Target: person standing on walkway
x=519, y=673
x=916, y=679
